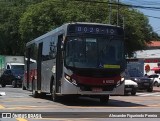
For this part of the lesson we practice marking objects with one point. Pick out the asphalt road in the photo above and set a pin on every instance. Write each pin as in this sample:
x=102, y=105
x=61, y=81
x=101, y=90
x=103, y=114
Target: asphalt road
x=144, y=106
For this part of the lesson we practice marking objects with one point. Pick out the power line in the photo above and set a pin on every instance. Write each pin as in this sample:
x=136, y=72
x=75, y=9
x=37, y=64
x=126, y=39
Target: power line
x=142, y=2
x=147, y=2
x=121, y=4
x=153, y=16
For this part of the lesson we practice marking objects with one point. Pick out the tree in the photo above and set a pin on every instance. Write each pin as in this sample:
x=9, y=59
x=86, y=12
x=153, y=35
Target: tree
x=9, y=36
x=42, y=17
x=22, y=21
x=10, y=13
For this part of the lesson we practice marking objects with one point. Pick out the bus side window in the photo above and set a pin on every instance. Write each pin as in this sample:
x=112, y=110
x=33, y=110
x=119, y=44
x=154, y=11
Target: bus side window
x=49, y=48
x=52, y=52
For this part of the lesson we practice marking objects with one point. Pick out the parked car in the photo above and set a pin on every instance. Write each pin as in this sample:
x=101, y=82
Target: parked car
x=156, y=79
x=12, y=77
x=130, y=87
x=144, y=83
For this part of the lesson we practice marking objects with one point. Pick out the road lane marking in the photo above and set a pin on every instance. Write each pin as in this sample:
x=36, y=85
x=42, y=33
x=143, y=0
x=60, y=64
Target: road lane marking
x=2, y=107
x=2, y=93
x=21, y=119
x=63, y=119
x=149, y=94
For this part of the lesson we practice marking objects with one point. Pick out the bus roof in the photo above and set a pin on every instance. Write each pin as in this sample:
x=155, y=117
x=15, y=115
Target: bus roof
x=63, y=27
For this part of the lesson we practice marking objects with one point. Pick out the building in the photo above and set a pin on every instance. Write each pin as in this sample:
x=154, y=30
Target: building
x=151, y=57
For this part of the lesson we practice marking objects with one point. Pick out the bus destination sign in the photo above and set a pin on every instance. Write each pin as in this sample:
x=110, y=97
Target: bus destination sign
x=96, y=30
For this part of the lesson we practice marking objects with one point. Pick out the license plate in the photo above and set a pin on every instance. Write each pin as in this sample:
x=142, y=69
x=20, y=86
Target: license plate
x=146, y=83
x=97, y=89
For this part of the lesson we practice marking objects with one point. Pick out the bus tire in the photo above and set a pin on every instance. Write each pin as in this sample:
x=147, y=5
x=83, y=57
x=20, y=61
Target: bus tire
x=133, y=93
x=35, y=93
x=14, y=85
x=104, y=99
x=3, y=85
x=23, y=86
x=55, y=97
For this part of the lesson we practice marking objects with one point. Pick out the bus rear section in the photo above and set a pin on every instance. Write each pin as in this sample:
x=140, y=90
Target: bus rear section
x=89, y=61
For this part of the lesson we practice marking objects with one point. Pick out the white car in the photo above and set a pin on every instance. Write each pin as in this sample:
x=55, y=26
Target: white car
x=130, y=87
x=156, y=79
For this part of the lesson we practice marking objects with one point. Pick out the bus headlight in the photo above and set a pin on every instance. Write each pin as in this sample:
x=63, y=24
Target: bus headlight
x=70, y=79
x=122, y=79
x=67, y=77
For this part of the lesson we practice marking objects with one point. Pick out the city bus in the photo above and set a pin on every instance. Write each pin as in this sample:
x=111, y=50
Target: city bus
x=77, y=59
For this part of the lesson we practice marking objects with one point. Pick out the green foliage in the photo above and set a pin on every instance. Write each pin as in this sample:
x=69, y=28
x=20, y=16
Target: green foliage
x=23, y=20
x=9, y=36
x=10, y=39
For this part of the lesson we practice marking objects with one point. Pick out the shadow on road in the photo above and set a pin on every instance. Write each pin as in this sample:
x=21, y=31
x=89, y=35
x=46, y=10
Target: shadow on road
x=95, y=102
x=89, y=102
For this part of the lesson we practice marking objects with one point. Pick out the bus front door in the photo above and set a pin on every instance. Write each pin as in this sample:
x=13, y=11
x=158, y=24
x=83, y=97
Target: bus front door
x=59, y=64
x=39, y=66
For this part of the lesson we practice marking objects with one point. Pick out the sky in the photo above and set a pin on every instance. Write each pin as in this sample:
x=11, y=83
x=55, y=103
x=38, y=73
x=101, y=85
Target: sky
x=154, y=22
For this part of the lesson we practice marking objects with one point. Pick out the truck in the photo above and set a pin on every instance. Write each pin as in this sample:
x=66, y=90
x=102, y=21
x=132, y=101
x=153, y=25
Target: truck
x=147, y=66
x=12, y=64
x=2, y=60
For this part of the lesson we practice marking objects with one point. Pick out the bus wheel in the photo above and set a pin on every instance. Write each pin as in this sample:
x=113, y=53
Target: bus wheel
x=14, y=85
x=23, y=87
x=55, y=98
x=35, y=94
x=3, y=83
x=104, y=99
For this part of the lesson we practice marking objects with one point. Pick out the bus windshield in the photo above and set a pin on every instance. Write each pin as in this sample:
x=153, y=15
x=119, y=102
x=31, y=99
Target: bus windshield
x=93, y=52
x=17, y=67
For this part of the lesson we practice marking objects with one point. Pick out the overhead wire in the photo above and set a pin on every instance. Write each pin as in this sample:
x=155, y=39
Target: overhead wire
x=142, y=2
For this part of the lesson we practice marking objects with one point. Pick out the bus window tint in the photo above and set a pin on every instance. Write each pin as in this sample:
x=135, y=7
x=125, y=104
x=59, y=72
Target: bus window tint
x=75, y=51
x=92, y=52
x=17, y=67
x=49, y=49
x=110, y=51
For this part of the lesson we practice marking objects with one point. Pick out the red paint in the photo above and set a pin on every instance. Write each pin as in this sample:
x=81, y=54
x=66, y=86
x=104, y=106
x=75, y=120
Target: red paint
x=25, y=77
x=152, y=60
x=32, y=73
x=95, y=81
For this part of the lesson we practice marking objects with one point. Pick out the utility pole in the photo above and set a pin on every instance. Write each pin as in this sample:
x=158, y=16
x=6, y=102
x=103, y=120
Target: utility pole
x=118, y=13
x=110, y=11
x=123, y=22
